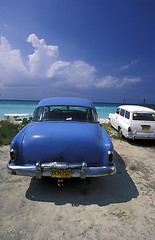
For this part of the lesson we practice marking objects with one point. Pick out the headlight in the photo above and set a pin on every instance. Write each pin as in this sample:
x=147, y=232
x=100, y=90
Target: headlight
x=12, y=154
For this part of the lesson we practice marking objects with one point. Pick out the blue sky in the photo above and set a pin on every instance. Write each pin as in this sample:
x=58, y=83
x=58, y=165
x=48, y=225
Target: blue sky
x=102, y=50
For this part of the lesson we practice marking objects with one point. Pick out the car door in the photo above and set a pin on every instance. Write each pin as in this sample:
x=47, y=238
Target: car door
x=115, y=119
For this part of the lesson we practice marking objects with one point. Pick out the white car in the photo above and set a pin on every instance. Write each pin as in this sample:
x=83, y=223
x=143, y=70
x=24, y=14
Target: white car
x=135, y=122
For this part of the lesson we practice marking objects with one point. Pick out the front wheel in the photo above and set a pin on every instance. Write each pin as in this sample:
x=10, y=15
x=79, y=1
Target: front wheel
x=110, y=123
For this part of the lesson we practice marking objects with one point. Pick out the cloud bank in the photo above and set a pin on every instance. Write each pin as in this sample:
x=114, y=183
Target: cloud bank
x=44, y=67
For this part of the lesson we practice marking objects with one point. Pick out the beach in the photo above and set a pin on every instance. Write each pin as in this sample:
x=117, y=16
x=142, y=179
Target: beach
x=113, y=207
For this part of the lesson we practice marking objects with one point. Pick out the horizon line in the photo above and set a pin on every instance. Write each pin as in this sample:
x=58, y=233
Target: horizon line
x=25, y=100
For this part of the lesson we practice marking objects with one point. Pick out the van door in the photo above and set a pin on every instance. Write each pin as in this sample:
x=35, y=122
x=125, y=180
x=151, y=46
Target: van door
x=116, y=118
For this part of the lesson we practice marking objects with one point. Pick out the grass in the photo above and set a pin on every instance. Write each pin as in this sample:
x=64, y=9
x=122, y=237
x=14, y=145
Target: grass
x=111, y=131
x=8, y=130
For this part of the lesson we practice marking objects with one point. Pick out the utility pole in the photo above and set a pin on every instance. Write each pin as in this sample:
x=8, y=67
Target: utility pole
x=138, y=100
x=144, y=101
x=123, y=100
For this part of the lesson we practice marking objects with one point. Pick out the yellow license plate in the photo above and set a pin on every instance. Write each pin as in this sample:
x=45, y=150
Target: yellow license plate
x=146, y=128
x=61, y=173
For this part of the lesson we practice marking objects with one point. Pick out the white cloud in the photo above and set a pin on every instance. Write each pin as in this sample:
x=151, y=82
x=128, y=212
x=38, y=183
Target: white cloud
x=114, y=82
x=134, y=61
x=11, y=65
x=128, y=80
x=45, y=68
x=43, y=56
x=78, y=73
x=6, y=25
x=107, y=82
x=57, y=69
x=124, y=67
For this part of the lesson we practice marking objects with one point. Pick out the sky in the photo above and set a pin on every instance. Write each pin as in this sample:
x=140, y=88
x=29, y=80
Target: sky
x=102, y=50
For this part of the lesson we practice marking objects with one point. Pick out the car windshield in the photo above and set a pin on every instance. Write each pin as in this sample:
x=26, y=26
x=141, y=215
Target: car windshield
x=144, y=116
x=65, y=113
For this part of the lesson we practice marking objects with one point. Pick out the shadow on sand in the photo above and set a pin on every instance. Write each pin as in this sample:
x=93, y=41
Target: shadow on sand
x=102, y=191
x=142, y=143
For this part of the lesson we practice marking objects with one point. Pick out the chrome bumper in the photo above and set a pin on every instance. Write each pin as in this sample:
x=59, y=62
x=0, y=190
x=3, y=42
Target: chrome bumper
x=141, y=136
x=77, y=170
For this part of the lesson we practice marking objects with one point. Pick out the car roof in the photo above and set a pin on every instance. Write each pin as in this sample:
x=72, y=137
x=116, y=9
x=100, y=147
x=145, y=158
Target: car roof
x=66, y=101
x=135, y=108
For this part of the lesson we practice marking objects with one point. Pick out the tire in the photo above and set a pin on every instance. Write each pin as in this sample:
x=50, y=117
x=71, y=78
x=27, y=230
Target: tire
x=120, y=132
x=110, y=123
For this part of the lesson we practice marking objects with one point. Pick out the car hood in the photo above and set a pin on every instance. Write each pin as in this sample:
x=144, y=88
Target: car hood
x=71, y=142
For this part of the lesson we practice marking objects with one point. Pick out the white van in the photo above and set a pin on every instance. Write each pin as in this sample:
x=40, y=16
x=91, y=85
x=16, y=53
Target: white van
x=134, y=122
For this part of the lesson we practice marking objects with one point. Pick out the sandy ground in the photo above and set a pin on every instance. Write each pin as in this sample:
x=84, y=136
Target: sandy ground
x=116, y=207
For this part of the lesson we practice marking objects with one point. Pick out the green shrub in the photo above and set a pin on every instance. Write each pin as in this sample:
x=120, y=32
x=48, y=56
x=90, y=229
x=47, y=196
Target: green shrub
x=25, y=121
x=8, y=130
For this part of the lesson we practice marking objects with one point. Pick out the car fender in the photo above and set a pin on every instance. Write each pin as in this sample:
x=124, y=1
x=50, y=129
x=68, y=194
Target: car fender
x=16, y=145
x=106, y=146
x=124, y=127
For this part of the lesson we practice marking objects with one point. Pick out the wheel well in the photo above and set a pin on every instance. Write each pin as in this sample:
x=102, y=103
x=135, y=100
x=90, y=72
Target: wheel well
x=119, y=128
x=120, y=132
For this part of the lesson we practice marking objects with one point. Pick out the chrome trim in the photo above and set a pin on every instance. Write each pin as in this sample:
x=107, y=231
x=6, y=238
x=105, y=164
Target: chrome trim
x=83, y=173
x=78, y=170
x=38, y=170
x=63, y=165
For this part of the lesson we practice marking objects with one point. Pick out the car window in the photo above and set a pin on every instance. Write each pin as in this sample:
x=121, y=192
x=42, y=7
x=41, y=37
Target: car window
x=118, y=110
x=65, y=113
x=127, y=114
x=144, y=116
x=37, y=114
x=122, y=112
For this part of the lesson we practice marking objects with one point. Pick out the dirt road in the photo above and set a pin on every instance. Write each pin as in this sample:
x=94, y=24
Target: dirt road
x=115, y=207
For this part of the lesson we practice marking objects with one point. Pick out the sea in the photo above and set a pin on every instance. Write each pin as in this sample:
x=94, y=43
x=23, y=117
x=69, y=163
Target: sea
x=24, y=109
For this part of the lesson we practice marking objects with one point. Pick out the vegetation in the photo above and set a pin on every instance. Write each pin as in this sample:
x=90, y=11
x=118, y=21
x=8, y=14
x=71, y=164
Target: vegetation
x=25, y=121
x=8, y=130
x=111, y=131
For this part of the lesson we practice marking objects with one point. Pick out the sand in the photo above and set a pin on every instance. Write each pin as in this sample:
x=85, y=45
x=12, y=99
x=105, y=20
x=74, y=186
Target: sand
x=116, y=207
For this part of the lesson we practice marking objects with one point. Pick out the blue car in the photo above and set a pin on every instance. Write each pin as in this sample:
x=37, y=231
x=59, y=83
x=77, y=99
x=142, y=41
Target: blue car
x=64, y=140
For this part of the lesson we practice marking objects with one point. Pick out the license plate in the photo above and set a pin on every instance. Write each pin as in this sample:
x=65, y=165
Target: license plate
x=61, y=173
x=146, y=128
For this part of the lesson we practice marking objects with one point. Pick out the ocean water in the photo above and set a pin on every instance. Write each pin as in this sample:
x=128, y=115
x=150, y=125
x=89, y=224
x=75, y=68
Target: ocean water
x=23, y=109
x=103, y=109
x=19, y=109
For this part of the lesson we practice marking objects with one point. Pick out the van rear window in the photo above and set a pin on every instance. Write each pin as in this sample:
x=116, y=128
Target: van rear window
x=144, y=116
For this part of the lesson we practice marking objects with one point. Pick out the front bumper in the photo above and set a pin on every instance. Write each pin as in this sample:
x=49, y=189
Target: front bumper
x=77, y=170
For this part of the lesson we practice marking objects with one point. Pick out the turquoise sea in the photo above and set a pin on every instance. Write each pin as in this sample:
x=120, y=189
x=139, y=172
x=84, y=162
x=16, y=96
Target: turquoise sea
x=23, y=109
